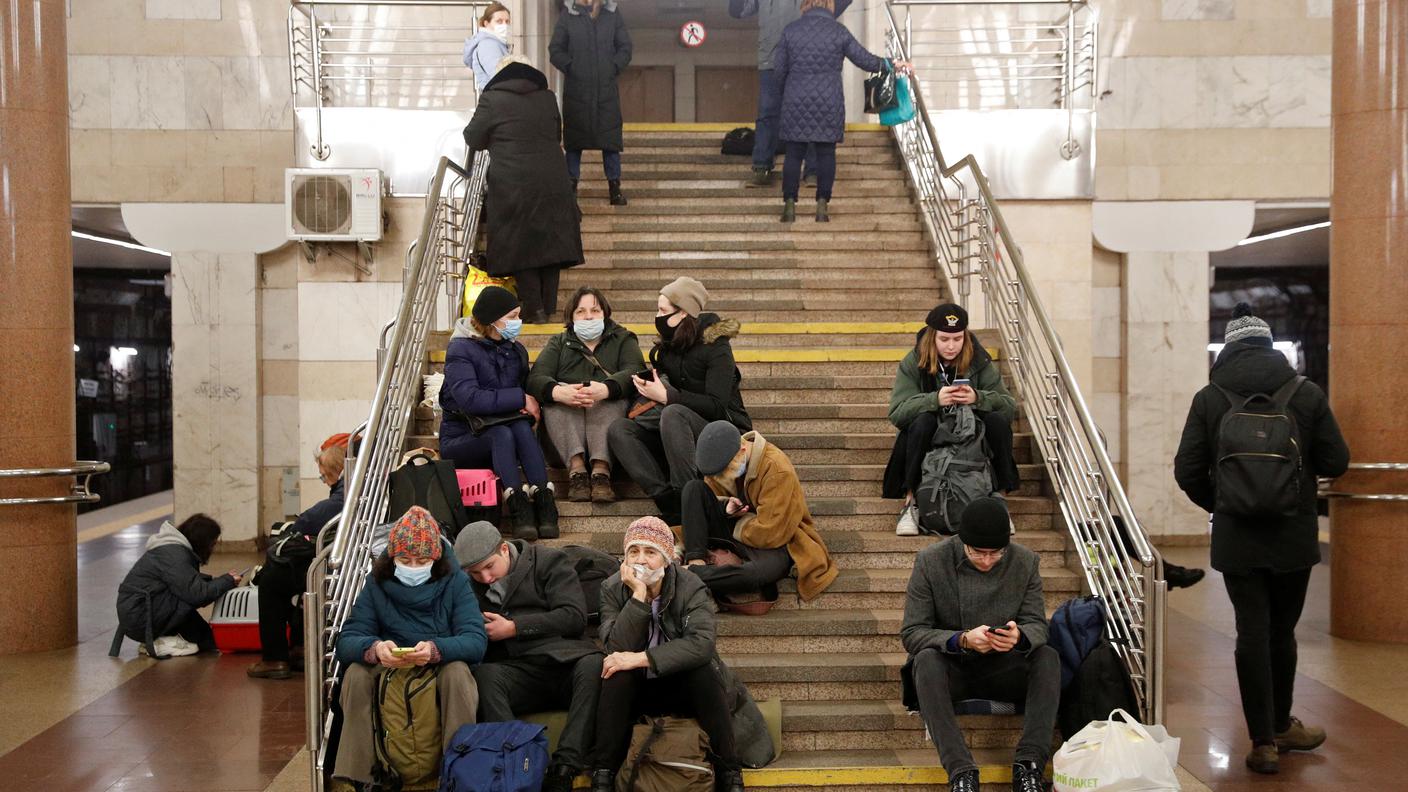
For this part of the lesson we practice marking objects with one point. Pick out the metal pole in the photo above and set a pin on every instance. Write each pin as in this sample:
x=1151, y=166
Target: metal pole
x=320, y=151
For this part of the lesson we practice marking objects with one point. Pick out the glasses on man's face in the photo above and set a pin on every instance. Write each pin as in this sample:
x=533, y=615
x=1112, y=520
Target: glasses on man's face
x=984, y=555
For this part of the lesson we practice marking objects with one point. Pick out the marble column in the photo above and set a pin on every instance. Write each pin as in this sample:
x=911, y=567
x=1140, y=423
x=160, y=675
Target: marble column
x=1369, y=314
x=38, y=597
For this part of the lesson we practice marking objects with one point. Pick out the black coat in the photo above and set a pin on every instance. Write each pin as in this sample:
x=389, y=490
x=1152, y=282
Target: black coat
x=591, y=53
x=544, y=601
x=167, y=579
x=705, y=377
x=1278, y=544
x=533, y=216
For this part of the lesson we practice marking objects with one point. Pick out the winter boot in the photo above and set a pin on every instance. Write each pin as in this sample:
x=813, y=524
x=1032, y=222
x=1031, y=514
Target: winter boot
x=762, y=177
x=822, y=213
x=789, y=210
x=545, y=507
x=520, y=511
x=617, y=199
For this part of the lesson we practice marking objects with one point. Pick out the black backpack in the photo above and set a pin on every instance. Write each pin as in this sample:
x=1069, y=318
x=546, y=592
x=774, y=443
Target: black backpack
x=1258, y=468
x=592, y=567
x=431, y=484
x=738, y=143
x=1100, y=686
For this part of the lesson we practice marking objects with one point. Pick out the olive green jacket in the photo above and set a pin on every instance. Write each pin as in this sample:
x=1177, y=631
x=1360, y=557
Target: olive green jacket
x=565, y=360
x=916, y=392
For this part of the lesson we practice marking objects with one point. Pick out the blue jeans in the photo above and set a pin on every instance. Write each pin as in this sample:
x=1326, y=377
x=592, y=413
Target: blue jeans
x=820, y=157
x=504, y=448
x=766, y=146
x=610, y=162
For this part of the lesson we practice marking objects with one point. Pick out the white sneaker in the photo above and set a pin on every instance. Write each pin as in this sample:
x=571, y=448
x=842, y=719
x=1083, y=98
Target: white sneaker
x=909, y=521
x=174, y=646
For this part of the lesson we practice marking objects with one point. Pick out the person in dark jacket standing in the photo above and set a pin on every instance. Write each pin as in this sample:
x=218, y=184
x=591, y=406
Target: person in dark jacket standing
x=944, y=353
x=591, y=47
x=694, y=381
x=415, y=598
x=535, y=227
x=538, y=658
x=582, y=377
x=975, y=627
x=281, y=580
x=489, y=416
x=808, y=63
x=157, y=601
x=657, y=625
x=1265, y=561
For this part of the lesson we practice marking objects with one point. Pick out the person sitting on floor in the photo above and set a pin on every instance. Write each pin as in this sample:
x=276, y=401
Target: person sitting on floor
x=157, y=601
x=657, y=624
x=538, y=658
x=975, y=627
x=283, y=578
x=945, y=352
x=751, y=503
x=415, y=598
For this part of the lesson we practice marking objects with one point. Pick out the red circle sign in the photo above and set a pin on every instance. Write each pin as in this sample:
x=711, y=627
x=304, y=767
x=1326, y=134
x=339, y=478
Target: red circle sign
x=693, y=34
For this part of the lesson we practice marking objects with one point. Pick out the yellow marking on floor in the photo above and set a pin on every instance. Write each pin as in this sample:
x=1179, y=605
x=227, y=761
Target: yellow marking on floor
x=853, y=776
x=696, y=127
x=108, y=528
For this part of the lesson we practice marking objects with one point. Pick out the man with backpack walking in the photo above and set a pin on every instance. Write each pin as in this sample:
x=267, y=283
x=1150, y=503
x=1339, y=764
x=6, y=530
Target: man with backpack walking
x=538, y=658
x=1255, y=440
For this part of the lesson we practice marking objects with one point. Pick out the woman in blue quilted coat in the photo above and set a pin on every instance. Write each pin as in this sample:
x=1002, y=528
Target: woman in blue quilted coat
x=808, y=63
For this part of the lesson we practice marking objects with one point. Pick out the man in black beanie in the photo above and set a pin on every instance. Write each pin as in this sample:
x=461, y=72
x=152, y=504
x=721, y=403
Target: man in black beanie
x=988, y=642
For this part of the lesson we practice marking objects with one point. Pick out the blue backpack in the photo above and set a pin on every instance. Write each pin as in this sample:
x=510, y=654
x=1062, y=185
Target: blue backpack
x=1077, y=628
x=496, y=757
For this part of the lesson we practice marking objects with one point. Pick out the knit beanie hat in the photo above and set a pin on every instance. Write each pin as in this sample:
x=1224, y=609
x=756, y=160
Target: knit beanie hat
x=339, y=439
x=716, y=447
x=652, y=532
x=687, y=294
x=984, y=524
x=476, y=542
x=491, y=305
x=948, y=318
x=415, y=535
x=1246, y=327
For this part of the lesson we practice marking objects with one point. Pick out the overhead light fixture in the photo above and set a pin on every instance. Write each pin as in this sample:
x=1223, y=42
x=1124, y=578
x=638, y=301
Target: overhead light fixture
x=75, y=348
x=119, y=243
x=1285, y=232
x=127, y=351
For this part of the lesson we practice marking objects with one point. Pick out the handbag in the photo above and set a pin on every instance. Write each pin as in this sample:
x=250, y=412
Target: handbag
x=478, y=423
x=880, y=91
x=903, y=109
x=290, y=546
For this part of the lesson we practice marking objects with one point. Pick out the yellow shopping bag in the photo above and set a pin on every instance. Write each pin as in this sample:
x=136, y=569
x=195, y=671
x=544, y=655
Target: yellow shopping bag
x=475, y=280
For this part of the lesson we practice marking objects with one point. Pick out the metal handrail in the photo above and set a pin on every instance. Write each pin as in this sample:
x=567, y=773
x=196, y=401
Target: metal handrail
x=436, y=258
x=78, y=493
x=972, y=239
x=1398, y=467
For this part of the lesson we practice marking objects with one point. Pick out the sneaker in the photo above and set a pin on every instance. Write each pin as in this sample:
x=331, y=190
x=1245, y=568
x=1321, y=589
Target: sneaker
x=545, y=507
x=1181, y=577
x=265, y=669
x=579, y=487
x=965, y=781
x=1263, y=759
x=174, y=646
x=520, y=511
x=603, y=781
x=762, y=177
x=559, y=778
x=1299, y=737
x=602, y=491
x=1026, y=777
x=909, y=521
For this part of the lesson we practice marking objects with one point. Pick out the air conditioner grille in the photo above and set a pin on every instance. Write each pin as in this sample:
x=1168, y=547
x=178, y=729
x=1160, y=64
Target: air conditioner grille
x=322, y=205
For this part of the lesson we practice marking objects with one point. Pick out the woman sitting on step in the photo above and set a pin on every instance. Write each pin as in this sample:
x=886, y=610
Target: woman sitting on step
x=948, y=366
x=583, y=380
x=694, y=381
x=489, y=415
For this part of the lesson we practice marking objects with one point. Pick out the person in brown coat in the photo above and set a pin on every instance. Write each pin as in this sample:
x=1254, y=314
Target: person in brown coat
x=751, y=503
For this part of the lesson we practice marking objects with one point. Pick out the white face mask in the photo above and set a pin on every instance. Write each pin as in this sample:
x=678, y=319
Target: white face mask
x=500, y=30
x=647, y=575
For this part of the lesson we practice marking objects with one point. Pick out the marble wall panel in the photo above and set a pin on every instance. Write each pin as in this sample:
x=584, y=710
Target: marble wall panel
x=89, y=92
x=204, y=103
x=343, y=321
x=1106, y=320
x=147, y=92
x=280, y=431
x=183, y=9
x=278, y=324
x=1233, y=92
x=319, y=419
x=1318, y=9
x=1198, y=9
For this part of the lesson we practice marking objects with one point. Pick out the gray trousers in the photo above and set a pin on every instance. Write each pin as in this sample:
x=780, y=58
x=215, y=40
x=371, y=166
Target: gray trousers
x=1035, y=678
x=573, y=430
x=647, y=450
x=525, y=686
x=454, y=687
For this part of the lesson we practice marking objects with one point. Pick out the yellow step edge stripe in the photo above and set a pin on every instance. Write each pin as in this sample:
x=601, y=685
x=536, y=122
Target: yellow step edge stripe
x=768, y=328
x=805, y=355
x=854, y=776
x=696, y=127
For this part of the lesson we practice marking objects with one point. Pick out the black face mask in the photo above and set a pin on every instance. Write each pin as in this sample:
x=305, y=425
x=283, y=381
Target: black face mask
x=662, y=325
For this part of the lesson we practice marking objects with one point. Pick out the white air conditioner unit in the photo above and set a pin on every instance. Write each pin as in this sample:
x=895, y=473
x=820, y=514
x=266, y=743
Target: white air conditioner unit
x=333, y=205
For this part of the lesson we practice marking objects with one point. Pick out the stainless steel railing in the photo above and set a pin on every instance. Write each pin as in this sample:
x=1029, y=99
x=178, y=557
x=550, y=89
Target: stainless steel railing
x=1397, y=467
x=78, y=493
x=973, y=242
x=436, y=259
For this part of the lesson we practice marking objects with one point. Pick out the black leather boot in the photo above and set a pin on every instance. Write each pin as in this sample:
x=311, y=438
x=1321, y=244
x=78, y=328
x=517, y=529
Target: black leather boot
x=520, y=512
x=731, y=780
x=603, y=781
x=617, y=199
x=545, y=507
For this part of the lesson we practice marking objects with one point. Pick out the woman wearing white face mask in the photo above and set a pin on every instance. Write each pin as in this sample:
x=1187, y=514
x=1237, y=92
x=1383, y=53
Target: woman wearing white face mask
x=489, y=44
x=583, y=379
x=415, y=609
x=489, y=415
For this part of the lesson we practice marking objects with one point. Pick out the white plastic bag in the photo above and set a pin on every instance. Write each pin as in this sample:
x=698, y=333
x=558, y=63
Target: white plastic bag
x=1117, y=756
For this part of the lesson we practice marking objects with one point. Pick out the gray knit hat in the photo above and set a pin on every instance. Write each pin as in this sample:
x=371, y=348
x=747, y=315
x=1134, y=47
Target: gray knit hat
x=716, y=447
x=476, y=542
x=1245, y=327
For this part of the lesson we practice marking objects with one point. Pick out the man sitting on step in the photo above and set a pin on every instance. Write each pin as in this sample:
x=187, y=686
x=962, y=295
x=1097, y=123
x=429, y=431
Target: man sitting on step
x=538, y=658
x=975, y=628
x=750, y=504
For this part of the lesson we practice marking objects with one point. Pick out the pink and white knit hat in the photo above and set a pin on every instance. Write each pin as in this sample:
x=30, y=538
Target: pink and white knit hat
x=652, y=532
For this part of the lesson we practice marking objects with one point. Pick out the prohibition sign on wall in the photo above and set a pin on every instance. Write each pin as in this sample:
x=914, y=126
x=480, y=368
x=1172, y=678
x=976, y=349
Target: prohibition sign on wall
x=692, y=34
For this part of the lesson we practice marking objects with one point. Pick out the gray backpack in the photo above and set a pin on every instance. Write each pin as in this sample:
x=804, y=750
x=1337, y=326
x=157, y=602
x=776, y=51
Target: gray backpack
x=955, y=473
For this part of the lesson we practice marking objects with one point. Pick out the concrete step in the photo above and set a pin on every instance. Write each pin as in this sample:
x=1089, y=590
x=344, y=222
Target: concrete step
x=707, y=189
x=762, y=201
x=877, y=724
x=815, y=236
x=885, y=588
x=765, y=305
x=721, y=168
x=707, y=153
x=674, y=140
x=636, y=283
x=836, y=633
x=876, y=770
x=828, y=481
x=761, y=222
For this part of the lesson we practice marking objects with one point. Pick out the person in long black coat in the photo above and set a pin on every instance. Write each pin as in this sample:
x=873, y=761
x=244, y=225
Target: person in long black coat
x=535, y=227
x=591, y=47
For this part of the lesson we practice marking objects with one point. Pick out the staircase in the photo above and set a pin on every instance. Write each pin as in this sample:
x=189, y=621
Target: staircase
x=827, y=310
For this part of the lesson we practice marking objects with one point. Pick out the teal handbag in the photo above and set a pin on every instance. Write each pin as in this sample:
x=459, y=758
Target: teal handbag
x=903, y=109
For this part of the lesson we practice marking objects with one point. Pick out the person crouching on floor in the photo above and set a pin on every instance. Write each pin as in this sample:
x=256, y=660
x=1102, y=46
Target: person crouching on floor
x=975, y=627
x=751, y=502
x=657, y=624
x=538, y=659
x=157, y=601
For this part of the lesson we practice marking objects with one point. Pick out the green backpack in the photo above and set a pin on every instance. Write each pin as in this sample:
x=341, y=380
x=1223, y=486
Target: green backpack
x=406, y=729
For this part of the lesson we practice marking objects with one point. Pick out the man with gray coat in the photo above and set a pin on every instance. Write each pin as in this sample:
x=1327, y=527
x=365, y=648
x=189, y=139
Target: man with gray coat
x=538, y=658
x=975, y=628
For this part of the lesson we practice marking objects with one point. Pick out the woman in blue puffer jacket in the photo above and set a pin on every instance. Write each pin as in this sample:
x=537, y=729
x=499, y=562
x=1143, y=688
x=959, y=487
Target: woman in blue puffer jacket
x=489, y=416
x=807, y=62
